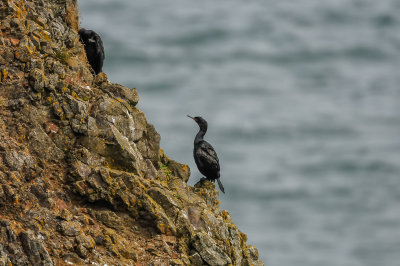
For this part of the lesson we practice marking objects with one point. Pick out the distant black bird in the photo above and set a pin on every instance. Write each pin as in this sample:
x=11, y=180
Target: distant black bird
x=204, y=154
x=94, y=48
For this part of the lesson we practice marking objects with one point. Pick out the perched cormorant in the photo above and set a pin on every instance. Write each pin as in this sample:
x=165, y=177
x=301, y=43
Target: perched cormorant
x=204, y=154
x=94, y=49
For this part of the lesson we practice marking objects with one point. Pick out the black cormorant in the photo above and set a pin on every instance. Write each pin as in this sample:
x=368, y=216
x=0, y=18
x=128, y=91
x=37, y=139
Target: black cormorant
x=204, y=154
x=94, y=49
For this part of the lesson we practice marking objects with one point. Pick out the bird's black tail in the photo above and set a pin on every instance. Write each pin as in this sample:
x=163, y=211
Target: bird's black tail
x=221, y=187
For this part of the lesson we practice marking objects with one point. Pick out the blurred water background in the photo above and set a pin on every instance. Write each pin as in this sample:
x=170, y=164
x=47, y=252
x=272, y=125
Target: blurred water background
x=302, y=99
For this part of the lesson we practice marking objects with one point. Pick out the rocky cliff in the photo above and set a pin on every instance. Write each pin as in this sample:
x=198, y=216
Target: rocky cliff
x=82, y=177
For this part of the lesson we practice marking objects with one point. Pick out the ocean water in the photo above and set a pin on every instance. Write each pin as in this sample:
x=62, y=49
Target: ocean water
x=302, y=99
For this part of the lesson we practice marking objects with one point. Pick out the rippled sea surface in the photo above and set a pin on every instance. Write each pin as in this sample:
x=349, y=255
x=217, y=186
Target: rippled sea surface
x=302, y=100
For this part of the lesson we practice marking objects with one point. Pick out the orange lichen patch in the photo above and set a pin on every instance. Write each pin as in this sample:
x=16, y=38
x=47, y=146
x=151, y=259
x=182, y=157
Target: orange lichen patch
x=37, y=40
x=86, y=220
x=137, y=96
x=30, y=50
x=14, y=178
x=166, y=229
x=4, y=74
x=45, y=35
x=224, y=214
x=21, y=9
x=18, y=8
x=243, y=237
x=14, y=42
x=15, y=226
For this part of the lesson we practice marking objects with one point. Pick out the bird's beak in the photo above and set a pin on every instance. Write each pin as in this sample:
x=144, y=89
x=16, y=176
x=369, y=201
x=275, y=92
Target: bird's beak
x=190, y=117
x=91, y=40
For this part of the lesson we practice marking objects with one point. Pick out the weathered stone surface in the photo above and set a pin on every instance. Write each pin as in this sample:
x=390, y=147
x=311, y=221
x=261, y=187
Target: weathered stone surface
x=177, y=169
x=209, y=250
x=69, y=228
x=166, y=200
x=125, y=153
x=195, y=259
x=42, y=145
x=36, y=79
x=16, y=160
x=35, y=250
x=82, y=176
x=120, y=93
x=86, y=241
x=81, y=251
x=253, y=256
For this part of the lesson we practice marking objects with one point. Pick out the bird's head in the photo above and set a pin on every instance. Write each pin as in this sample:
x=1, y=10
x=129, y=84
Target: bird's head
x=200, y=121
x=83, y=33
x=87, y=36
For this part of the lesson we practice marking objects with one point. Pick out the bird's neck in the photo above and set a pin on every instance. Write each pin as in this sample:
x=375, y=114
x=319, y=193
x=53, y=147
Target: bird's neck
x=200, y=135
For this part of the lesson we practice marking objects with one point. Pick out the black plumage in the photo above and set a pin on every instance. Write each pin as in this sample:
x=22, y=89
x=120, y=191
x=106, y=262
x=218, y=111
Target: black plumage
x=94, y=49
x=204, y=154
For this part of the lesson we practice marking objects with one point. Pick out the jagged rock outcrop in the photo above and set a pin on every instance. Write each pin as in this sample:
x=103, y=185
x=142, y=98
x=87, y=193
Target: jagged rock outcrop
x=82, y=177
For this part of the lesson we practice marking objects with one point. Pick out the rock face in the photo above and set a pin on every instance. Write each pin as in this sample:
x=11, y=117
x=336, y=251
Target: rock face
x=82, y=177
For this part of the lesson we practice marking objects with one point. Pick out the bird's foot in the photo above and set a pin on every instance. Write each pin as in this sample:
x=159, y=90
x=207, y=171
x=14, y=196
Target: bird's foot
x=200, y=183
x=203, y=179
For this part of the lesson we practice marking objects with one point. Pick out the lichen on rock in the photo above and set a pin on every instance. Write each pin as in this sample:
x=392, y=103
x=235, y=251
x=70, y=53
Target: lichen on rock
x=82, y=177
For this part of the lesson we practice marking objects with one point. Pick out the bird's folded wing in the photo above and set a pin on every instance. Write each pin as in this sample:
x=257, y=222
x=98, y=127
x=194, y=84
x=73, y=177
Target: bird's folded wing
x=208, y=157
x=99, y=45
